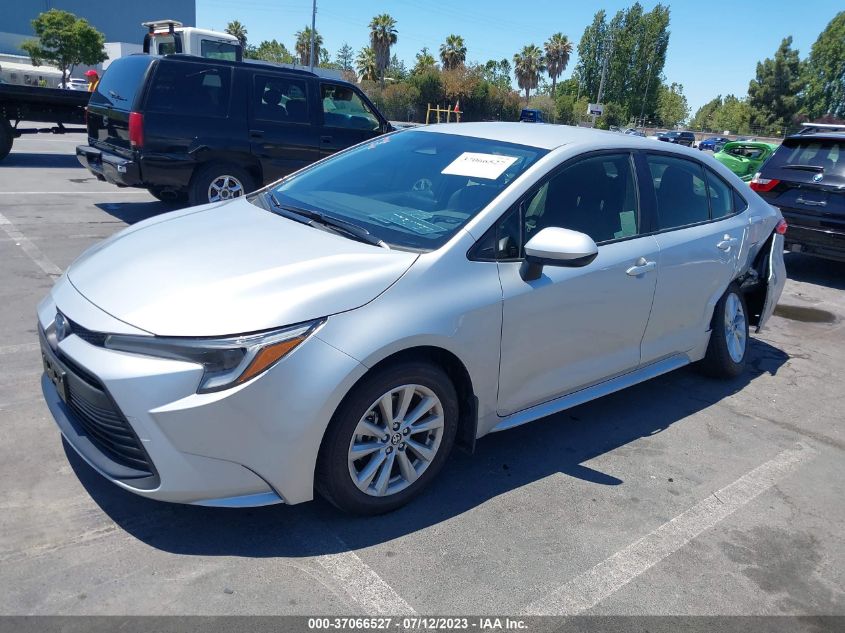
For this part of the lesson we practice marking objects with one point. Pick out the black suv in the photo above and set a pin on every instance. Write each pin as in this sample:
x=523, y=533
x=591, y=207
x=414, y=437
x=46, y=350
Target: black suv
x=678, y=138
x=805, y=178
x=203, y=130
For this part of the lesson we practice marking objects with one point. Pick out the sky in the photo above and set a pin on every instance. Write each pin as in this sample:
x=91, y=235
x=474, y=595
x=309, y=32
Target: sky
x=714, y=45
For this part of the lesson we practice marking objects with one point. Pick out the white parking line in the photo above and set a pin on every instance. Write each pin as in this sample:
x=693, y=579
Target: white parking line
x=358, y=579
x=34, y=253
x=588, y=589
x=22, y=347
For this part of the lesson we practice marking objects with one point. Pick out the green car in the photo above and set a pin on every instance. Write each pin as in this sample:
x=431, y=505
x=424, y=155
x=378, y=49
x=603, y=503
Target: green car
x=744, y=158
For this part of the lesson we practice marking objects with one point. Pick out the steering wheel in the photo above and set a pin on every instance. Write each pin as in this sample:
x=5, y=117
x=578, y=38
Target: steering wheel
x=423, y=184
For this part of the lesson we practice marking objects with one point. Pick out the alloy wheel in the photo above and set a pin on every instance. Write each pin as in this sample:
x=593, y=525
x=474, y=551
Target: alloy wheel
x=225, y=187
x=735, y=328
x=396, y=440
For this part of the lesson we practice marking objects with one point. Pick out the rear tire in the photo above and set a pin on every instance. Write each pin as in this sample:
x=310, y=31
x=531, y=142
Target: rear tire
x=174, y=197
x=217, y=182
x=401, y=454
x=728, y=347
x=7, y=137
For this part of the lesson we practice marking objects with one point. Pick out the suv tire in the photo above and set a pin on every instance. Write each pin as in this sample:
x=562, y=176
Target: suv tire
x=7, y=136
x=216, y=182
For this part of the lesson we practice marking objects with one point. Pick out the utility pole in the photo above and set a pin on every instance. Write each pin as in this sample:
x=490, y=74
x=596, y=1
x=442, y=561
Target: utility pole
x=313, y=26
x=603, y=74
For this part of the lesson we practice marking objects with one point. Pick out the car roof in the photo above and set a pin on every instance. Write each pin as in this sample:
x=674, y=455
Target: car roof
x=821, y=136
x=547, y=136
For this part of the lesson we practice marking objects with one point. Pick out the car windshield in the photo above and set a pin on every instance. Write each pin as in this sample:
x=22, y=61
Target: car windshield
x=410, y=189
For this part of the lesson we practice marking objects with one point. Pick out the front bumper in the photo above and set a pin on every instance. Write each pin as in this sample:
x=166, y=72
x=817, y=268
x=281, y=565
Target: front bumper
x=109, y=167
x=250, y=445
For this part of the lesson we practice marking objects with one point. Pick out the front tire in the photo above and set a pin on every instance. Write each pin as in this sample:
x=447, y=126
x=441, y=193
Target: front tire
x=217, y=182
x=389, y=438
x=728, y=347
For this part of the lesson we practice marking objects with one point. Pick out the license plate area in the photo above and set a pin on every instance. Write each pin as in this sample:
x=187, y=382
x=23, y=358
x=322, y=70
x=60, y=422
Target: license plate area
x=55, y=372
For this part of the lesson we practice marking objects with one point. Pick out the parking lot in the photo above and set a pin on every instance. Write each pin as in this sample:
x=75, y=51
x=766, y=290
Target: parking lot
x=683, y=495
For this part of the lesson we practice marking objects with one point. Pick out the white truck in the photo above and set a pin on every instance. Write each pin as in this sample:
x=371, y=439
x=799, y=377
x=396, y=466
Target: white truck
x=165, y=37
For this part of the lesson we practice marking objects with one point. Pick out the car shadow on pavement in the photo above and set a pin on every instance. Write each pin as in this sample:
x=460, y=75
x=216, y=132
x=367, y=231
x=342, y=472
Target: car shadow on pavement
x=815, y=270
x=31, y=159
x=503, y=462
x=132, y=212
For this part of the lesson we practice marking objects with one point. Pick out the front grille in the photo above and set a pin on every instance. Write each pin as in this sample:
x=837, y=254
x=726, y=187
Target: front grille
x=89, y=336
x=105, y=425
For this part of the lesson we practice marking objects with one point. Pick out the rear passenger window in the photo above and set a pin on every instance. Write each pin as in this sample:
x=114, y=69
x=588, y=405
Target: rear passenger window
x=740, y=204
x=596, y=196
x=680, y=190
x=721, y=196
x=280, y=99
x=190, y=89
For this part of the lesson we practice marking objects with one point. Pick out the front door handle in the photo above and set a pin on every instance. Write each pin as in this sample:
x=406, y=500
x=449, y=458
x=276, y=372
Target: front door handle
x=641, y=267
x=726, y=243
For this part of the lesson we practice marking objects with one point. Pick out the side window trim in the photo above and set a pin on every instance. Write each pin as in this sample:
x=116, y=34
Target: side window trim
x=254, y=114
x=734, y=194
x=368, y=105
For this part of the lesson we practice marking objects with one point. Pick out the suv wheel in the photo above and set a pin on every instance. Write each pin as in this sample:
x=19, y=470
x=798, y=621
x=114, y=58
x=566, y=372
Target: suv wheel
x=388, y=439
x=726, y=352
x=6, y=138
x=218, y=182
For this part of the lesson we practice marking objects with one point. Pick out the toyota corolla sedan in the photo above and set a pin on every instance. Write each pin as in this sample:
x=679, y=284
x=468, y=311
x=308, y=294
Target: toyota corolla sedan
x=344, y=328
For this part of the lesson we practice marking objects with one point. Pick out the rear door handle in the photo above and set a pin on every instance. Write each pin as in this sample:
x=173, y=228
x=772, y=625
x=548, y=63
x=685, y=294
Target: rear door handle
x=256, y=133
x=641, y=267
x=726, y=243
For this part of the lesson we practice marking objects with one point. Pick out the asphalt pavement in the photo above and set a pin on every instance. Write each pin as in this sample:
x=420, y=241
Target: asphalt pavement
x=683, y=495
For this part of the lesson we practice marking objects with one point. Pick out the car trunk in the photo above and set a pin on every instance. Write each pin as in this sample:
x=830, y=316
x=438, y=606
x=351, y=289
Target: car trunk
x=118, y=94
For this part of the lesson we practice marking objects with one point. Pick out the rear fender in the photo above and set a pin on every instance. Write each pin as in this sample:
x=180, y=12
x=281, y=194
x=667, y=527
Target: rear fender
x=764, y=284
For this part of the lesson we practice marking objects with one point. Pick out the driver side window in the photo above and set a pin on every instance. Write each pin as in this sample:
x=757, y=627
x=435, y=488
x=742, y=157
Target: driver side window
x=596, y=196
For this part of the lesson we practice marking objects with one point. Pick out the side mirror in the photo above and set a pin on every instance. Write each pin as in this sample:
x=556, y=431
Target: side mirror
x=554, y=246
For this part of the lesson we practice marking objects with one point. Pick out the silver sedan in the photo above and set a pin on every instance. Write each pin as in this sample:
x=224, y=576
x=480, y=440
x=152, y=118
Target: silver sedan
x=344, y=328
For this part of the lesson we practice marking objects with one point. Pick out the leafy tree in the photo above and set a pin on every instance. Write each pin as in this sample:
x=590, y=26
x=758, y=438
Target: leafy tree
x=425, y=62
x=400, y=101
x=558, y=50
x=774, y=93
x=396, y=69
x=366, y=64
x=271, y=51
x=498, y=73
x=303, y=45
x=824, y=72
x=703, y=119
x=65, y=41
x=238, y=30
x=345, y=57
x=672, y=107
x=383, y=35
x=453, y=52
x=733, y=115
x=430, y=86
x=528, y=64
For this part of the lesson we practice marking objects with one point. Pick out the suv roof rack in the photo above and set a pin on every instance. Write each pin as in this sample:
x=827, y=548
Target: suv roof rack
x=811, y=128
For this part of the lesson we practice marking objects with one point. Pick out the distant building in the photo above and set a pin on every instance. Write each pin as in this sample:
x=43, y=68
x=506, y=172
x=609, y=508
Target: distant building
x=119, y=20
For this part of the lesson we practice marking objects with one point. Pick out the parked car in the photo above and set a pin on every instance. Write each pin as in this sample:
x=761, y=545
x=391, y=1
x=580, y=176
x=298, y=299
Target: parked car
x=206, y=130
x=744, y=158
x=805, y=179
x=713, y=144
x=634, y=132
x=344, y=327
x=679, y=138
x=77, y=84
x=529, y=115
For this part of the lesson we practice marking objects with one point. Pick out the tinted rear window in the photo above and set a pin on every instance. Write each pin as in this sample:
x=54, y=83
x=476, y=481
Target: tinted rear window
x=190, y=89
x=829, y=154
x=121, y=82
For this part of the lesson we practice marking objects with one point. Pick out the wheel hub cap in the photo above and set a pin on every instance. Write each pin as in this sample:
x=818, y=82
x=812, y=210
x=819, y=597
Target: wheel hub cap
x=735, y=335
x=225, y=188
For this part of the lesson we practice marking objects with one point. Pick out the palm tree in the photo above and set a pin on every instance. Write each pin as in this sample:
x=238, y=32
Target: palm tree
x=425, y=61
x=558, y=51
x=528, y=65
x=366, y=64
x=453, y=52
x=382, y=37
x=238, y=30
x=303, y=45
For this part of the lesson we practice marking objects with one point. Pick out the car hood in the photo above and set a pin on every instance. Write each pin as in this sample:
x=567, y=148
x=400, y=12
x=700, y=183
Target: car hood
x=228, y=269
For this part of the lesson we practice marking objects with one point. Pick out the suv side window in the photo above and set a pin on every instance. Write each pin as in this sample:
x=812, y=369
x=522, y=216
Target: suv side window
x=280, y=99
x=188, y=88
x=343, y=108
x=680, y=190
x=595, y=195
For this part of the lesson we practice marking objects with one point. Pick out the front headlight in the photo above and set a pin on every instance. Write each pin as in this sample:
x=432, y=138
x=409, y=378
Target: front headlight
x=226, y=361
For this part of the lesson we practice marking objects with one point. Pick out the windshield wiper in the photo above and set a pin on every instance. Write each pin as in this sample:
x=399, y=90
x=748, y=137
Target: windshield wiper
x=352, y=230
x=818, y=168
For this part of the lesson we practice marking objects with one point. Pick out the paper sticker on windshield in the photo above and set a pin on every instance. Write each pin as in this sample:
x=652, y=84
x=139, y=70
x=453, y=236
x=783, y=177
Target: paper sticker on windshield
x=473, y=165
